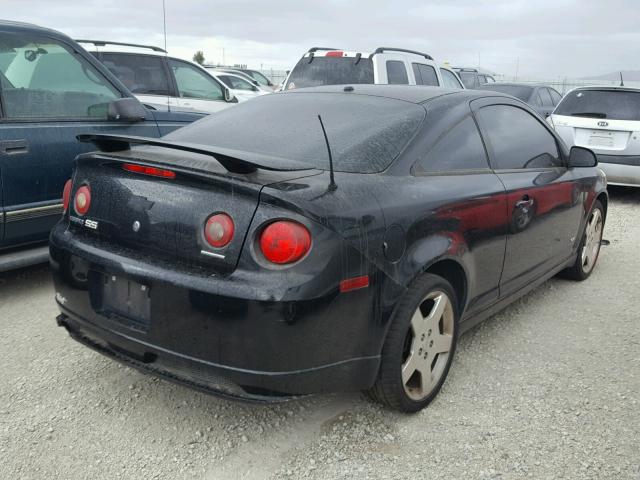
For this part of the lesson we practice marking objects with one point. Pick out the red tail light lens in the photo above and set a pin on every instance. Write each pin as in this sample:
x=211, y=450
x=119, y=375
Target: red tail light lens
x=335, y=53
x=66, y=196
x=145, y=170
x=82, y=200
x=285, y=242
x=219, y=229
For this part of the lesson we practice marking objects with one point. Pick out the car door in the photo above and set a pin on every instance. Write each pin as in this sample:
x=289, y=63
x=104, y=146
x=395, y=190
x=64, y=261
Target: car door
x=196, y=88
x=50, y=93
x=543, y=197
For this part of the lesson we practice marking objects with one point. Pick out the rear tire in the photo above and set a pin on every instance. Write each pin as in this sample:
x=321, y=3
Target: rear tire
x=419, y=348
x=589, y=248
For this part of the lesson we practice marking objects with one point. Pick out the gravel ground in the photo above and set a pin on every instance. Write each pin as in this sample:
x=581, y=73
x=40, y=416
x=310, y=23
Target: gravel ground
x=549, y=388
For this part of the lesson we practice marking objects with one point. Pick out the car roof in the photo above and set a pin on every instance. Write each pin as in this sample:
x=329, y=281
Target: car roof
x=10, y=25
x=408, y=93
x=511, y=84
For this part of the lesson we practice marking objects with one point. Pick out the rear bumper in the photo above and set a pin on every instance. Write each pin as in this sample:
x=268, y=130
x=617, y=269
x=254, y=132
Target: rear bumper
x=621, y=170
x=245, y=341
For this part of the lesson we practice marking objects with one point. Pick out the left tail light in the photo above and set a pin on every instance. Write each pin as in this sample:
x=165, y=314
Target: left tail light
x=219, y=230
x=66, y=196
x=82, y=200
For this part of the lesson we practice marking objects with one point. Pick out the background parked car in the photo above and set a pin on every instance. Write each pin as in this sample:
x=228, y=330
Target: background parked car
x=51, y=90
x=240, y=88
x=260, y=78
x=541, y=98
x=397, y=66
x=607, y=120
x=153, y=77
x=472, y=77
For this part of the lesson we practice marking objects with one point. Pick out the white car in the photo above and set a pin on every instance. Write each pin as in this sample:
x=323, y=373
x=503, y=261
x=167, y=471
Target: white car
x=238, y=84
x=607, y=121
x=155, y=78
x=397, y=66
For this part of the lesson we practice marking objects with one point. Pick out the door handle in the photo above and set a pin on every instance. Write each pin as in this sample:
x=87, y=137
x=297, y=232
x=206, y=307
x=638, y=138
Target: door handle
x=12, y=147
x=525, y=202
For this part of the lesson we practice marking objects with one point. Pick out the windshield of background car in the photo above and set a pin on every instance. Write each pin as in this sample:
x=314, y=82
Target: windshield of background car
x=518, y=91
x=366, y=133
x=614, y=104
x=330, y=71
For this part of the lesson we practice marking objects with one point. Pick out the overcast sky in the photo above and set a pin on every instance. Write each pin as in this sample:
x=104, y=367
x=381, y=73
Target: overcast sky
x=542, y=38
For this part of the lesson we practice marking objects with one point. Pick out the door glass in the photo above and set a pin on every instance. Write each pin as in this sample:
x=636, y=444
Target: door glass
x=449, y=79
x=459, y=149
x=396, y=73
x=482, y=79
x=426, y=73
x=516, y=139
x=141, y=74
x=42, y=78
x=236, y=83
x=546, y=97
x=192, y=83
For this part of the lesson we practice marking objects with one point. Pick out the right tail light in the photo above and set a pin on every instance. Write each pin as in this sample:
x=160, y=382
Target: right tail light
x=284, y=242
x=66, y=196
x=82, y=200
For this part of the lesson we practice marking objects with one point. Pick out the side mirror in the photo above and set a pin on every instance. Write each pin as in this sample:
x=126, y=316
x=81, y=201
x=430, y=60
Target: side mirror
x=126, y=110
x=229, y=97
x=582, y=157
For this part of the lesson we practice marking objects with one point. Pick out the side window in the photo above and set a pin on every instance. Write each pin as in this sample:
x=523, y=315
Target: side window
x=546, y=97
x=555, y=96
x=396, y=73
x=490, y=79
x=425, y=74
x=141, y=74
x=449, y=79
x=42, y=78
x=482, y=79
x=193, y=83
x=516, y=139
x=236, y=83
x=460, y=148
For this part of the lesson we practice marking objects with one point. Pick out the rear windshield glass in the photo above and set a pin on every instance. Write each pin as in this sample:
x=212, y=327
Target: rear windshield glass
x=615, y=104
x=330, y=71
x=366, y=133
x=518, y=91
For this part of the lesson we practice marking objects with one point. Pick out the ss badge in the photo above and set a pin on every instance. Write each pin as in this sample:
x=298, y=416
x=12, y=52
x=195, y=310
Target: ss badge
x=92, y=224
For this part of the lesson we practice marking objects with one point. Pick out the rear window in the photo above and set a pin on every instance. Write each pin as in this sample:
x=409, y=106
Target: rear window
x=366, y=133
x=330, y=71
x=518, y=91
x=614, y=104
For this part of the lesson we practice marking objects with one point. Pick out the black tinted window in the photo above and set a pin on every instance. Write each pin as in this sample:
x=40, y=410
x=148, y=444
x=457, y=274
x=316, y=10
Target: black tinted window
x=519, y=91
x=425, y=74
x=459, y=149
x=397, y=73
x=516, y=139
x=614, y=104
x=141, y=74
x=366, y=133
x=330, y=71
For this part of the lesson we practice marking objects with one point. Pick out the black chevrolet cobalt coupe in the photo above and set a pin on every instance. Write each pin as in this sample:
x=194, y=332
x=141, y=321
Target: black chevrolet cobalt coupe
x=322, y=239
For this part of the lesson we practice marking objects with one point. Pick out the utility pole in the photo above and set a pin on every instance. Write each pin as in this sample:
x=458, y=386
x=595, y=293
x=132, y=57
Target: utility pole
x=517, y=67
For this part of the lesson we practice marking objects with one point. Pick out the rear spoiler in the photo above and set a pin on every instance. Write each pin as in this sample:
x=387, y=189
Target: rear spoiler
x=234, y=161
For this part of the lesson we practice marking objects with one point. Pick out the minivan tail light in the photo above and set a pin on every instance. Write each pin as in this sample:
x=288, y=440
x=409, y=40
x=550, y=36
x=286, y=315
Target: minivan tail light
x=82, y=200
x=146, y=170
x=334, y=54
x=219, y=230
x=66, y=196
x=285, y=242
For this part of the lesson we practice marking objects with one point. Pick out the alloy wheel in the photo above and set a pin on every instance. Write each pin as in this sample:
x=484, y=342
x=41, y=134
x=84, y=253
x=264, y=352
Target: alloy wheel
x=592, y=241
x=428, y=345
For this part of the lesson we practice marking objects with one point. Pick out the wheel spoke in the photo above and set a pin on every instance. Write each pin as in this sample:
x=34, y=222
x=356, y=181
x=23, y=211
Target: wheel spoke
x=418, y=323
x=413, y=363
x=439, y=305
x=441, y=343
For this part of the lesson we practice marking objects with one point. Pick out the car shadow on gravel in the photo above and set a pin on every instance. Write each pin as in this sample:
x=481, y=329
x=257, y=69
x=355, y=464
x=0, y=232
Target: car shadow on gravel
x=625, y=195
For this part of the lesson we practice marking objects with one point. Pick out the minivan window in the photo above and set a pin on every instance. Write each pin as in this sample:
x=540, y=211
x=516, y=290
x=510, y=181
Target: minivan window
x=614, y=104
x=460, y=148
x=449, y=79
x=194, y=83
x=365, y=133
x=141, y=74
x=396, y=73
x=425, y=74
x=516, y=139
x=44, y=78
x=317, y=71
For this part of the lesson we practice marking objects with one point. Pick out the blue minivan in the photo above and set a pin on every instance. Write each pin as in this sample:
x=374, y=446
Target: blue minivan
x=51, y=90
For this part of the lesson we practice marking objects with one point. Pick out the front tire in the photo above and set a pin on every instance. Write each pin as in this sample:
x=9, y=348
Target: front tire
x=419, y=348
x=589, y=248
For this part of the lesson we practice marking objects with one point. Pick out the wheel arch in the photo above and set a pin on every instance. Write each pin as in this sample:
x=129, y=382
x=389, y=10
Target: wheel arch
x=453, y=272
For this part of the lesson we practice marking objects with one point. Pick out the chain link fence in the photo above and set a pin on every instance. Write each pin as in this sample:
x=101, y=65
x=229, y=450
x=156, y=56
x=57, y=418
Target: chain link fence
x=563, y=84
